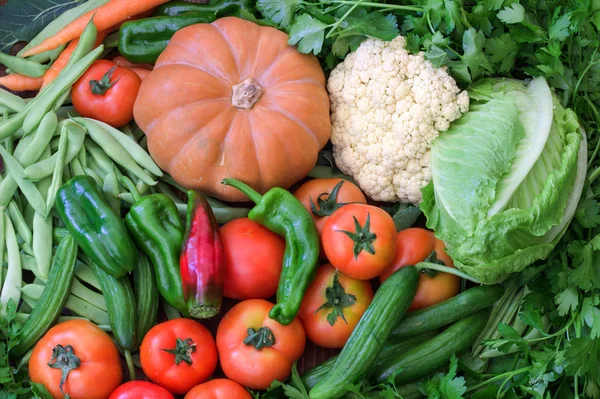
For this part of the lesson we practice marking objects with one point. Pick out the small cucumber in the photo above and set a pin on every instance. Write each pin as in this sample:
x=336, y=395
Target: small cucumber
x=51, y=303
x=448, y=311
x=311, y=377
x=390, y=303
x=433, y=353
x=120, y=306
x=146, y=296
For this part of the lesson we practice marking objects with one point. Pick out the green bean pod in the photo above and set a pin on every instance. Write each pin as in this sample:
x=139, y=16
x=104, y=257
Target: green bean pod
x=11, y=288
x=23, y=66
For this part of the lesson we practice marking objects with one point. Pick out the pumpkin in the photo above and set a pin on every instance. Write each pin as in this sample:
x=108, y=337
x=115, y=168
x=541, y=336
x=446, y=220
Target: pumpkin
x=233, y=99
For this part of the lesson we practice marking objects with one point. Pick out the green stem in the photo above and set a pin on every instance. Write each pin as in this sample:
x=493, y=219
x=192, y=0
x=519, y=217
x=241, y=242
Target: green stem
x=342, y=19
x=498, y=378
x=594, y=175
x=446, y=269
x=130, y=365
x=379, y=5
x=244, y=188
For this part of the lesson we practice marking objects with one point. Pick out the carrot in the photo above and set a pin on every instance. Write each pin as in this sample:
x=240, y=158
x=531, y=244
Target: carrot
x=110, y=14
x=16, y=82
x=61, y=62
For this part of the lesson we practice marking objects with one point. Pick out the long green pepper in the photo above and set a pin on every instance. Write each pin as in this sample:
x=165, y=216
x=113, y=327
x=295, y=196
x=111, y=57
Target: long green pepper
x=98, y=231
x=279, y=211
x=155, y=225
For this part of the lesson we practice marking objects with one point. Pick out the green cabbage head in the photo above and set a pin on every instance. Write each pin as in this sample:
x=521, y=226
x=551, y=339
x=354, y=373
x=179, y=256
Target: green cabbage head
x=506, y=178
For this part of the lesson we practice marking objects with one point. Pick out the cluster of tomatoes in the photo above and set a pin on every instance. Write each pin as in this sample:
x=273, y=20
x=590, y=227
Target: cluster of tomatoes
x=359, y=244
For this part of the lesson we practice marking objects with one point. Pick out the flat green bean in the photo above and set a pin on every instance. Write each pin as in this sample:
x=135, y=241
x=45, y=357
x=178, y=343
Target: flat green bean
x=44, y=168
x=80, y=290
x=112, y=189
x=58, y=172
x=82, y=157
x=89, y=172
x=61, y=21
x=2, y=242
x=32, y=294
x=28, y=262
x=84, y=273
x=23, y=66
x=98, y=155
x=42, y=243
x=27, y=187
x=114, y=150
x=19, y=223
x=50, y=55
x=66, y=112
x=11, y=288
x=23, y=145
x=76, y=168
x=165, y=189
x=136, y=152
x=12, y=101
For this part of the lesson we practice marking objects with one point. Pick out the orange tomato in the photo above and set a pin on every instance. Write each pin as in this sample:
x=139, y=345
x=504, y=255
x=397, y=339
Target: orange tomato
x=342, y=300
x=195, y=359
x=219, y=388
x=359, y=240
x=96, y=352
x=254, y=350
x=414, y=245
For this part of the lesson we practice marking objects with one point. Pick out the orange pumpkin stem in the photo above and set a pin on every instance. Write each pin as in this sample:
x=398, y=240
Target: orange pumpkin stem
x=246, y=94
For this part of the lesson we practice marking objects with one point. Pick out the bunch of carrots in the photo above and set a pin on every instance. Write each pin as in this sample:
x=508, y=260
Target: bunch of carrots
x=107, y=18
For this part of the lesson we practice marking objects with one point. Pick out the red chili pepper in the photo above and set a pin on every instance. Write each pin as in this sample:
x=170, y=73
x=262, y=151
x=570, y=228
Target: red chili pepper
x=202, y=263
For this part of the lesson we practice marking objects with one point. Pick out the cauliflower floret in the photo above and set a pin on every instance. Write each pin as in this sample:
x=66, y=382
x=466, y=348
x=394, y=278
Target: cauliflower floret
x=388, y=106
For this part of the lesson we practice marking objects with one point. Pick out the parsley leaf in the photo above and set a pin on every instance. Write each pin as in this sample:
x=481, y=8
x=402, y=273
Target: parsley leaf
x=447, y=386
x=512, y=14
x=560, y=27
x=582, y=356
x=279, y=11
x=308, y=33
x=567, y=301
x=586, y=261
x=502, y=50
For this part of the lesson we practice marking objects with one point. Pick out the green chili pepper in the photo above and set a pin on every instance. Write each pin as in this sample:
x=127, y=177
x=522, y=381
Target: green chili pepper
x=279, y=211
x=98, y=231
x=143, y=40
x=157, y=229
x=219, y=8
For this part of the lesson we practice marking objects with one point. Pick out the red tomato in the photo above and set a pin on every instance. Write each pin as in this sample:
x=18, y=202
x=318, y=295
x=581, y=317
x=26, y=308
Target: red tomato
x=348, y=297
x=194, y=363
x=414, y=245
x=140, y=390
x=220, y=388
x=320, y=192
x=360, y=240
x=106, y=94
x=254, y=350
x=82, y=340
x=253, y=258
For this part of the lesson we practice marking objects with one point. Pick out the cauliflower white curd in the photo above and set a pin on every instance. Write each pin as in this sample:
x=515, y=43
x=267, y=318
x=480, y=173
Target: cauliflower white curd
x=387, y=108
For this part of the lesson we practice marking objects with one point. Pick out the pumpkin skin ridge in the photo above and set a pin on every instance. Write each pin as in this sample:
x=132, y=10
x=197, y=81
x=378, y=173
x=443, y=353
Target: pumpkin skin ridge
x=222, y=140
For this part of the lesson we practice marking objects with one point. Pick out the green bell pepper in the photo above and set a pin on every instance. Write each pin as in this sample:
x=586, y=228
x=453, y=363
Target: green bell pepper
x=219, y=8
x=98, y=231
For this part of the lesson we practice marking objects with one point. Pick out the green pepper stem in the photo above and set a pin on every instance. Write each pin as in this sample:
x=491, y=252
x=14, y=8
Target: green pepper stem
x=244, y=188
x=445, y=269
x=126, y=181
x=130, y=365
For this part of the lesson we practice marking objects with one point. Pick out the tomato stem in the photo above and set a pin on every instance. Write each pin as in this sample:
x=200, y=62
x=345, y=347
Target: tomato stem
x=263, y=337
x=64, y=359
x=183, y=350
x=337, y=300
x=363, y=237
x=100, y=87
x=130, y=365
x=327, y=202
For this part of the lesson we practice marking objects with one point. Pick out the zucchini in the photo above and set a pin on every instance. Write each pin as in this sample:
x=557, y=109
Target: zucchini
x=311, y=377
x=390, y=303
x=48, y=308
x=120, y=305
x=433, y=353
x=146, y=296
x=448, y=311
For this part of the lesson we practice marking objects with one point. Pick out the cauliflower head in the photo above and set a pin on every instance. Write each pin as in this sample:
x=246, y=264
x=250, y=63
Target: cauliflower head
x=388, y=106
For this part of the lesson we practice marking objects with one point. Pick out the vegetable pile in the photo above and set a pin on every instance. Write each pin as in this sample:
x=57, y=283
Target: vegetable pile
x=196, y=198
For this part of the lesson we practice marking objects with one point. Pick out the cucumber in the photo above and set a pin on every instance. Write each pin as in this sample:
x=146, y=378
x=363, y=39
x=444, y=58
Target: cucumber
x=120, y=305
x=311, y=377
x=448, y=311
x=48, y=308
x=390, y=303
x=146, y=296
x=433, y=353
